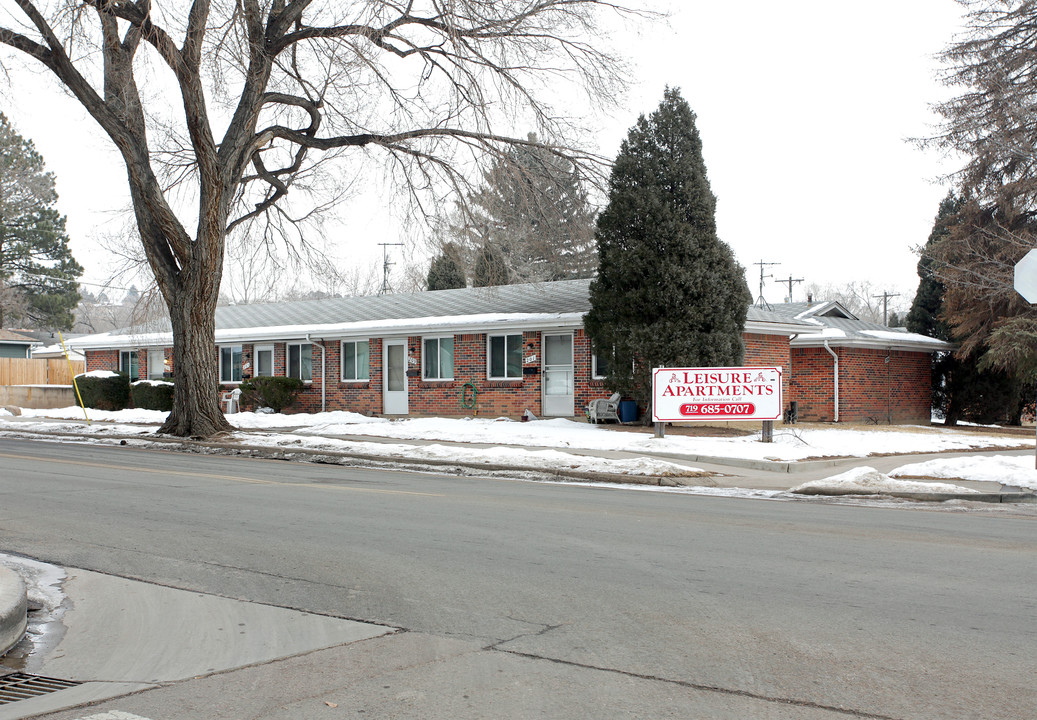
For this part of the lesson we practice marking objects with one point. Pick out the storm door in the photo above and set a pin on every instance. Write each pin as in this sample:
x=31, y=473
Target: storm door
x=558, y=375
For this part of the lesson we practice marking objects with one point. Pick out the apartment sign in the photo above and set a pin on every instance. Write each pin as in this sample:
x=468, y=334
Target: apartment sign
x=735, y=393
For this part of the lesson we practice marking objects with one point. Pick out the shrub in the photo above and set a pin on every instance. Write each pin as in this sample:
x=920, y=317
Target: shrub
x=276, y=393
x=148, y=395
x=110, y=392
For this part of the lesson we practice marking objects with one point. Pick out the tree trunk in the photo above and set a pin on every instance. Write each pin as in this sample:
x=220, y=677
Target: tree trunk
x=196, y=403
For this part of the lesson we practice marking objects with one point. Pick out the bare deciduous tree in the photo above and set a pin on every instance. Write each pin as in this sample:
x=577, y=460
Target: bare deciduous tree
x=264, y=90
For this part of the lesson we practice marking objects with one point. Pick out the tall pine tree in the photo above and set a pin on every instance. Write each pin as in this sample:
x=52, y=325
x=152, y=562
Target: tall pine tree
x=962, y=388
x=669, y=292
x=38, y=275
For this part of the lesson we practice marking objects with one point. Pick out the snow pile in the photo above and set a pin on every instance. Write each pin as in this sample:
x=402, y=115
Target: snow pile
x=98, y=374
x=869, y=481
x=521, y=458
x=5, y=412
x=1015, y=470
x=74, y=412
x=335, y=418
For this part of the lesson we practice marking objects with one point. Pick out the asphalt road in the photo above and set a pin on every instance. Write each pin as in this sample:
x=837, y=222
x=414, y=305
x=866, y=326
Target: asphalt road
x=834, y=609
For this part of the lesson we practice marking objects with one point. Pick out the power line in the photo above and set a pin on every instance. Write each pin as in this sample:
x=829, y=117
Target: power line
x=885, y=305
x=790, y=281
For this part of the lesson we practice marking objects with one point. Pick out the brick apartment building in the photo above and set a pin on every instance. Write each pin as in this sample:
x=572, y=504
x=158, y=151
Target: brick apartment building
x=498, y=351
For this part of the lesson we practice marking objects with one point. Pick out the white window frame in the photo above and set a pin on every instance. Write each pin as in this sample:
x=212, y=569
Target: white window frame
x=241, y=354
x=489, y=359
x=288, y=359
x=342, y=361
x=129, y=355
x=439, y=358
x=595, y=375
x=256, y=349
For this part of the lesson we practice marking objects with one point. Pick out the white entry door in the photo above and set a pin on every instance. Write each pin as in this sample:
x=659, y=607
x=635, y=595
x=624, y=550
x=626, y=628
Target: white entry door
x=394, y=377
x=558, y=375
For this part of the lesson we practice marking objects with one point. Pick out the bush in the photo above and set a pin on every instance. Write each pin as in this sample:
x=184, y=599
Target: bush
x=149, y=395
x=276, y=393
x=110, y=392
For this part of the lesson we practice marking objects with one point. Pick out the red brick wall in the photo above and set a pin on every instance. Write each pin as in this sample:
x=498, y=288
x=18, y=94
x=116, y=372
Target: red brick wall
x=770, y=351
x=871, y=389
x=102, y=360
x=443, y=397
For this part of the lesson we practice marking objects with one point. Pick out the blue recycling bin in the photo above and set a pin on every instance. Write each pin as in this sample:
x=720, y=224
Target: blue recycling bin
x=627, y=411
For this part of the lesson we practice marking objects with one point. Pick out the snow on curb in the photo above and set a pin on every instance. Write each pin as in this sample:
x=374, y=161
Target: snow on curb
x=869, y=481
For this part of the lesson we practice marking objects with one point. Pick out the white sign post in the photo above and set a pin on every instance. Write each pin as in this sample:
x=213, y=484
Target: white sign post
x=729, y=393
x=1025, y=283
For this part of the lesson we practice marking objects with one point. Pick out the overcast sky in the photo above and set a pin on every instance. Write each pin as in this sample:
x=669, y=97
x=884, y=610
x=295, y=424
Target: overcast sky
x=804, y=107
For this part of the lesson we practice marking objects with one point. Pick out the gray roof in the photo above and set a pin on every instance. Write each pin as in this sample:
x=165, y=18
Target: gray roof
x=838, y=330
x=562, y=303
x=566, y=296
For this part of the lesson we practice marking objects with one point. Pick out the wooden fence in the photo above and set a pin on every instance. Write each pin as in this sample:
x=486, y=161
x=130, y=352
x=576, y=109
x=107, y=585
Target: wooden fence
x=38, y=371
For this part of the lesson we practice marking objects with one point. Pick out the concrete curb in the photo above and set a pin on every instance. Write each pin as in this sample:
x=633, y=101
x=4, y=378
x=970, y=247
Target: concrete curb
x=12, y=609
x=1005, y=497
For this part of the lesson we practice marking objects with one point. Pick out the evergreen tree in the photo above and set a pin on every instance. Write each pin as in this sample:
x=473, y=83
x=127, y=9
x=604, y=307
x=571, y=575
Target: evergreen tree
x=445, y=272
x=962, y=389
x=37, y=271
x=669, y=293
x=490, y=268
x=533, y=210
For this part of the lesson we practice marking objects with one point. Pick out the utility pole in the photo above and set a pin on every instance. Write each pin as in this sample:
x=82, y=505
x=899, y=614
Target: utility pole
x=791, y=281
x=760, y=302
x=386, y=265
x=885, y=305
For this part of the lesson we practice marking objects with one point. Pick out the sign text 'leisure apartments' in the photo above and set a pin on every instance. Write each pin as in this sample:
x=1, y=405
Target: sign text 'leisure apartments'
x=735, y=393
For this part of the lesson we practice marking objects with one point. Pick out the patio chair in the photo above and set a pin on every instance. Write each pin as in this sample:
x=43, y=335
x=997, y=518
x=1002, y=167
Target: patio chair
x=604, y=409
x=230, y=401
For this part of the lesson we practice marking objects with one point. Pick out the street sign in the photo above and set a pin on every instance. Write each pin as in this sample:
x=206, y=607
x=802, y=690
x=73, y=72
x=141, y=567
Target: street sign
x=730, y=393
x=1026, y=277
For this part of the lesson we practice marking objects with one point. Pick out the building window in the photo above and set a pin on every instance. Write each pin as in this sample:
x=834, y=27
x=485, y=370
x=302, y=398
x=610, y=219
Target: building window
x=599, y=366
x=156, y=364
x=300, y=361
x=230, y=364
x=356, y=360
x=264, y=359
x=438, y=358
x=504, y=357
x=129, y=364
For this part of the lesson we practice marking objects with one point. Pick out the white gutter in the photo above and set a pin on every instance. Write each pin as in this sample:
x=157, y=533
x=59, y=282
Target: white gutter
x=836, y=373
x=323, y=374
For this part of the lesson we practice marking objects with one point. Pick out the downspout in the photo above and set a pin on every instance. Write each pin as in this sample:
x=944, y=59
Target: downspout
x=836, y=373
x=323, y=373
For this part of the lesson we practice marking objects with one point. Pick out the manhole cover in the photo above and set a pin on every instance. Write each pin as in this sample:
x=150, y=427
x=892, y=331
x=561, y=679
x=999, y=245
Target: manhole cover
x=20, y=686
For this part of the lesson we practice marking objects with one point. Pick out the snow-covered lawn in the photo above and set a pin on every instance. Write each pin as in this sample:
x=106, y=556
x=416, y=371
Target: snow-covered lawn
x=557, y=444
x=789, y=444
x=1016, y=470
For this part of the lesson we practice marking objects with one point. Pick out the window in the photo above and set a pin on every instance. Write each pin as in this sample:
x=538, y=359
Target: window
x=129, y=364
x=599, y=365
x=438, y=358
x=264, y=360
x=230, y=364
x=504, y=357
x=356, y=363
x=156, y=364
x=300, y=361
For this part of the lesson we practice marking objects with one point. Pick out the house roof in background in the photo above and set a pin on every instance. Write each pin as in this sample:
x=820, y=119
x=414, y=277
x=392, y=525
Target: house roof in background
x=834, y=324
x=10, y=337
